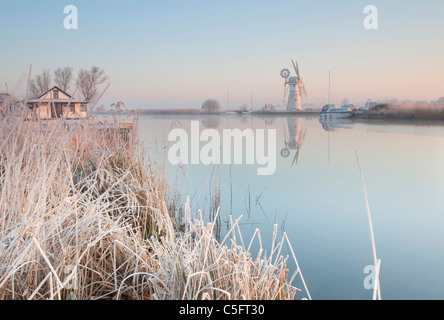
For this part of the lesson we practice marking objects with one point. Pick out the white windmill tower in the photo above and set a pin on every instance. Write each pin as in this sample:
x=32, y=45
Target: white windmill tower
x=296, y=88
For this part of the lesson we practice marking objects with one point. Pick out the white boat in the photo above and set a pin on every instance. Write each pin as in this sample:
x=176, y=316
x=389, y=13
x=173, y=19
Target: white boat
x=332, y=111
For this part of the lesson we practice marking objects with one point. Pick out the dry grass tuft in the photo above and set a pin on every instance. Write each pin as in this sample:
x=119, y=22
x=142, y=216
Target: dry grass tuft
x=85, y=214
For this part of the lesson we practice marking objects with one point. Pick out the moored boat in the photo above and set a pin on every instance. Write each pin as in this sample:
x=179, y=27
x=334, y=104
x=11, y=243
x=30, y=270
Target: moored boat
x=332, y=111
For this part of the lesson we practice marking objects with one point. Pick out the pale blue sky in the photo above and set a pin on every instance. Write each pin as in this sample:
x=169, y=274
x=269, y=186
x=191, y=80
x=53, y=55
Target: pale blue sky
x=178, y=53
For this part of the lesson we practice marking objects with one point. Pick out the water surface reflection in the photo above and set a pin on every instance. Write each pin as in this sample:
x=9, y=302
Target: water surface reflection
x=316, y=196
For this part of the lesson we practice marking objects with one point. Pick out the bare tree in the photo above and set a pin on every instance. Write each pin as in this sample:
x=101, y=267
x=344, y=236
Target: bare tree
x=89, y=82
x=63, y=77
x=211, y=106
x=34, y=92
x=41, y=83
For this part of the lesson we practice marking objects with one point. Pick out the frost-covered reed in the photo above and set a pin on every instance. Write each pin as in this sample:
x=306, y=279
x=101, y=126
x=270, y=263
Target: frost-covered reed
x=86, y=214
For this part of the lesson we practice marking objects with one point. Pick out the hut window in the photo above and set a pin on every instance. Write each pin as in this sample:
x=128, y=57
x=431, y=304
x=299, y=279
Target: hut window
x=55, y=94
x=83, y=108
x=72, y=107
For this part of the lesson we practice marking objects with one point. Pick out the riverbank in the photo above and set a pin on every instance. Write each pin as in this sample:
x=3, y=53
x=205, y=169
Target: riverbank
x=189, y=112
x=88, y=214
x=404, y=111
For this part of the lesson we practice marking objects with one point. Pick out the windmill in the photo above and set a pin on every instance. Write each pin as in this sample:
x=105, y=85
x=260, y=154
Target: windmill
x=295, y=88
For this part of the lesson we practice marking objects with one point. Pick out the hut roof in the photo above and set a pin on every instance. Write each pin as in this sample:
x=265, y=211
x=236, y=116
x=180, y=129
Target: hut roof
x=46, y=97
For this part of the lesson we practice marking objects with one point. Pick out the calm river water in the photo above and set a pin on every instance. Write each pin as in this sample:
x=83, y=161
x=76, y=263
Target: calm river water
x=316, y=197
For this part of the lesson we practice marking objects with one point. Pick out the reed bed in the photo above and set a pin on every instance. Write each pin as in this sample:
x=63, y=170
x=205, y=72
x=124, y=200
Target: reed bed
x=85, y=213
x=410, y=111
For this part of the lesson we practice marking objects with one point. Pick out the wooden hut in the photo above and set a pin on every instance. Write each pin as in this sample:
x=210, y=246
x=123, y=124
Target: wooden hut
x=56, y=103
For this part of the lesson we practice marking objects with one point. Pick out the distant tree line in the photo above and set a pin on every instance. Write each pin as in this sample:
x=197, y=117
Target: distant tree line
x=88, y=81
x=211, y=106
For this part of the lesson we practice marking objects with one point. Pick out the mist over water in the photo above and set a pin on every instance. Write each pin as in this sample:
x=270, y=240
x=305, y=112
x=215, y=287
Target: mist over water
x=316, y=197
